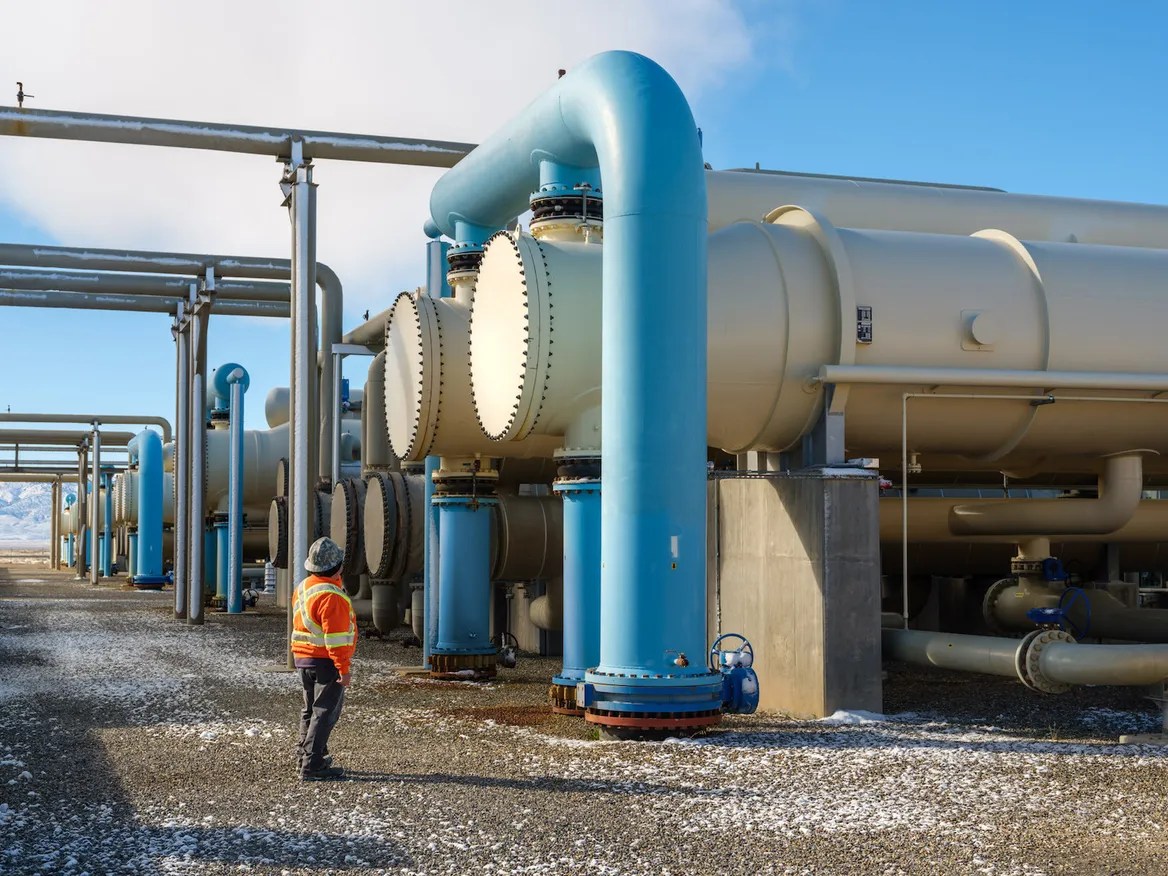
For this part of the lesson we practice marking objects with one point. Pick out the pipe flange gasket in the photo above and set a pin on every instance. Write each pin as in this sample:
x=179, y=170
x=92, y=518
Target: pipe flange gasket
x=562, y=699
x=463, y=667
x=990, y=603
x=652, y=725
x=568, y=205
x=1028, y=660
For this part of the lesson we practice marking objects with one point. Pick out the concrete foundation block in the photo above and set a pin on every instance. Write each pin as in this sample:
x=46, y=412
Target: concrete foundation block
x=794, y=565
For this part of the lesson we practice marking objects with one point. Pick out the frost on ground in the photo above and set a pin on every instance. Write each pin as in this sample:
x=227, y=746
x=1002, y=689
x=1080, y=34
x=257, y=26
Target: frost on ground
x=130, y=743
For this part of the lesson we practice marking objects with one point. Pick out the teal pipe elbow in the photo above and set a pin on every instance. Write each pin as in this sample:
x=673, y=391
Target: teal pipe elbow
x=146, y=449
x=220, y=384
x=623, y=113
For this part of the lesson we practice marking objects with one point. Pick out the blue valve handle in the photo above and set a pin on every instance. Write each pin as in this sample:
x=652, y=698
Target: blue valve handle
x=715, y=662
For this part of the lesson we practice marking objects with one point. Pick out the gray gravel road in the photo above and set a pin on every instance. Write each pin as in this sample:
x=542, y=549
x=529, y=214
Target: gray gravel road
x=131, y=744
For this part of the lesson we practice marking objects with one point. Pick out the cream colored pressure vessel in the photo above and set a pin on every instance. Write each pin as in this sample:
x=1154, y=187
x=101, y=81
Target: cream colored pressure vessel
x=850, y=203
x=783, y=302
x=428, y=409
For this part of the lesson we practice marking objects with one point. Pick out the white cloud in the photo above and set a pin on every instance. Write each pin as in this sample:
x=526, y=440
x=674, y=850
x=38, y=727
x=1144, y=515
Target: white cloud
x=452, y=71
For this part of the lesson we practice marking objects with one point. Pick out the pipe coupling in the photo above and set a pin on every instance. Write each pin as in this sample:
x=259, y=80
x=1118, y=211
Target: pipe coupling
x=1028, y=660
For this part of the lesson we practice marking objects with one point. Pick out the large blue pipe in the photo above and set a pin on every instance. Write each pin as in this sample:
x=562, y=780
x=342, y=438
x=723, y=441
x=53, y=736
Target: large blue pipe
x=146, y=448
x=107, y=539
x=581, y=588
x=463, y=645
x=222, y=559
x=436, y=287
x=622, y=113
x=237, y=381
x=69, y=555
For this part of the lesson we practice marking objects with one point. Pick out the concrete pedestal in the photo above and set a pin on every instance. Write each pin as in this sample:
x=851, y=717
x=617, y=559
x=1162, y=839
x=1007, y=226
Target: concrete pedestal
x=794, y=565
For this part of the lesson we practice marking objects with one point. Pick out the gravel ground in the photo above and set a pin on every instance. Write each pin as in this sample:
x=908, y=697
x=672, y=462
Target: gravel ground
x=130, y=743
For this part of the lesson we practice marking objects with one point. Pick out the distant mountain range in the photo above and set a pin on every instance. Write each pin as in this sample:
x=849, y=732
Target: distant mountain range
x=24, y=514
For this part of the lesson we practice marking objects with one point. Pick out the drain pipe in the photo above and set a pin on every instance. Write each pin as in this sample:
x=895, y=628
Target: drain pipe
x=238, y=382
x=622, y=113
x=437, y=286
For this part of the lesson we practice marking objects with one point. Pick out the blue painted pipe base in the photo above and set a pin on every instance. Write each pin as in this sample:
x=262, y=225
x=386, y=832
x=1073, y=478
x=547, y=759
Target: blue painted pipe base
x=629, y=707
x=150, y=582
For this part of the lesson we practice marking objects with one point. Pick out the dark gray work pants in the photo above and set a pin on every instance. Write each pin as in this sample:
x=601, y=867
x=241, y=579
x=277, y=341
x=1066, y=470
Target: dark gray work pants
x=323, y=698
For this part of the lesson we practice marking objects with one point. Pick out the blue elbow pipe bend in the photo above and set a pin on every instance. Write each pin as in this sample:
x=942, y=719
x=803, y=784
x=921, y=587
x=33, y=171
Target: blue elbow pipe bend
x=623, y=113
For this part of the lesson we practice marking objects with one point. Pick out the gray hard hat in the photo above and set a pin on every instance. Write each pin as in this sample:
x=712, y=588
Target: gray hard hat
x=324, y=555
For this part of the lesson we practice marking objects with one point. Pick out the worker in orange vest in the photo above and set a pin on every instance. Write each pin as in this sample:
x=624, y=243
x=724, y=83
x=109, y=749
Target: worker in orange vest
x=324, y=637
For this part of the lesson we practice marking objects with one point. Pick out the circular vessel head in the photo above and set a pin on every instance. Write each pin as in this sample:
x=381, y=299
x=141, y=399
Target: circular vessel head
x=412, y=375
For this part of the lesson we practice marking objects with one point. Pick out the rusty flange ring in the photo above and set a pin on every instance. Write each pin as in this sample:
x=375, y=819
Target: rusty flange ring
x=562, y=698
x=652, y=725
x=463, y=667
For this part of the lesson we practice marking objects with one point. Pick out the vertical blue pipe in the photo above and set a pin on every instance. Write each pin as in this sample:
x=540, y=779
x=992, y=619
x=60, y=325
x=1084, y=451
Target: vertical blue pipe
x=581, y=579
x=69, y=549
x=430, y=564
x=622, y=113
x=107, y=523
x=132, y=553
x=222, y=559
x=238, y=382
x=210, y=559
x=436, y=287
x=146, y=447
x=464, y=570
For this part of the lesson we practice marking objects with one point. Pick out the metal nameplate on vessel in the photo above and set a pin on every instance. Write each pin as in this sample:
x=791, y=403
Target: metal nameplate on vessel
x=863, y=325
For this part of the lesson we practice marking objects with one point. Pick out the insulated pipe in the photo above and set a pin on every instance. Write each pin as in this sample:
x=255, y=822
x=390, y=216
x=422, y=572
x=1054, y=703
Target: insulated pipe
x=243, y=139
x=1058, y=660
x=95, y=509
x=137, y=284
x=238, y=382
x=180, y=496
x=622, y=113
x=1093, y=613
x=62, y=437
x=133, y=303
x=370, y=333
x=889, y=204
x=987, y=655
x=1120, y=487
x=102, y=419
x=146, y=448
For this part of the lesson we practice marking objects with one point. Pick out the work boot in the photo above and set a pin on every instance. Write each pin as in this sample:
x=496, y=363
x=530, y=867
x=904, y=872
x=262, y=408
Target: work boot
x=324, y=774
x=326, y=761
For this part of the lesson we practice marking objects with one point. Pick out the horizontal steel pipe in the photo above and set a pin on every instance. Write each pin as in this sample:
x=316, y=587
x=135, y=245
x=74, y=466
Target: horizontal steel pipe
x=245, y=139
x=892, y=375
x=133, y=303
x=101, y=419
x=984, y=654
x=125, y=283
x=63, y=437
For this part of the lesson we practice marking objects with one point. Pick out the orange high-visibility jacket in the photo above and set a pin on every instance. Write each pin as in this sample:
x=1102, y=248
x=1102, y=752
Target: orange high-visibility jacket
x=323, y=623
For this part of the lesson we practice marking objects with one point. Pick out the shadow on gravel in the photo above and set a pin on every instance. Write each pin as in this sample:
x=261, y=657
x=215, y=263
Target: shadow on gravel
x=66, y=810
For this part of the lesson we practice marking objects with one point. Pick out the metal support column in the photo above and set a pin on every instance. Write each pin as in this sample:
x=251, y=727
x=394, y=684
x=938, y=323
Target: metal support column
x=234, y=547
x=95, y=508
x=182, y=436
x=300, y=197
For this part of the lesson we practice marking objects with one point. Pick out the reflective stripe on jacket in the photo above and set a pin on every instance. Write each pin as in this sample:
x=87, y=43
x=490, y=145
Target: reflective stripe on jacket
x=323, y=623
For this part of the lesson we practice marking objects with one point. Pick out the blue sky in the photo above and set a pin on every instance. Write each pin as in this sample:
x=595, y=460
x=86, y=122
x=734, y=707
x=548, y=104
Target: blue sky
x=1053, y=98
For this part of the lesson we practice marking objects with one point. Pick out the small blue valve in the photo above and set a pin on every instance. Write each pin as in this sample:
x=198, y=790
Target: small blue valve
x=739, y=681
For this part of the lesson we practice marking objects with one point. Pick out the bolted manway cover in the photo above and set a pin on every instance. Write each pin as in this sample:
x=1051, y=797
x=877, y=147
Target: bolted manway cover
x=412, y=344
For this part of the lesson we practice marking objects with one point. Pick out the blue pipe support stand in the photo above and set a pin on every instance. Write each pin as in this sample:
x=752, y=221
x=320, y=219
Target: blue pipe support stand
x=581, y=590
x=623, y=113
x=107, y=534
x=430, y=564
x=146, y=570
x=463, y=648
x=210, y=560
x=222, y=558
x=132, y=553
x=70, y=555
